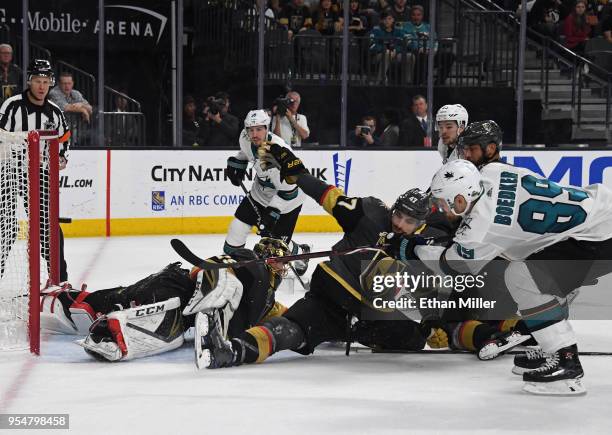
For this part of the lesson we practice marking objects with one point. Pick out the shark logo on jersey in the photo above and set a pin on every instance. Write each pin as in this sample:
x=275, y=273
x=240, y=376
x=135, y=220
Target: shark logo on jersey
x=449, y=175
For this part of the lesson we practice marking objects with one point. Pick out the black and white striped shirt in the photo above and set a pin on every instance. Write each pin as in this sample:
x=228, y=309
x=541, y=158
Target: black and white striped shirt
x=19, y=114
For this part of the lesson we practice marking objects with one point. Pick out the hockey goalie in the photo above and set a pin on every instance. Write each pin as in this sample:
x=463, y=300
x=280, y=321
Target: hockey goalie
x=150, y=316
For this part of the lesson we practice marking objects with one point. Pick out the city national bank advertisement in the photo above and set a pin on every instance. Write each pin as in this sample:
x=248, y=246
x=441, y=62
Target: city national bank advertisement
x=122, y=192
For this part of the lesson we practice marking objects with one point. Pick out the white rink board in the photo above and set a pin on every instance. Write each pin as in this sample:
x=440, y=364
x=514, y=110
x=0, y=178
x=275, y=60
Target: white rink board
x=136, y=174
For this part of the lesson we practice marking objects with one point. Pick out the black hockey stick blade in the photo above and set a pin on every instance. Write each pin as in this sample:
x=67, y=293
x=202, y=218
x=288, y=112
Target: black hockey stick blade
x=186, y=254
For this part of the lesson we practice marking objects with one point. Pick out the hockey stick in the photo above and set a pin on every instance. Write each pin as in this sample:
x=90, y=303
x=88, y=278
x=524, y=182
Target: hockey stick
x=261, y=227
x=461, y=351
x=186, y=254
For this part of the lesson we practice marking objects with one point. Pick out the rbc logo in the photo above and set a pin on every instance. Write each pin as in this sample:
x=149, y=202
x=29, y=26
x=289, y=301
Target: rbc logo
x=158, y=200
x=342, y=172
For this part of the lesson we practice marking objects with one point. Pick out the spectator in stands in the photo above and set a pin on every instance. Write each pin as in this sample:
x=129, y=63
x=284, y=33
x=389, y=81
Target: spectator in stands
x=121, y=103
x=274, y=9
x=359, y=23
x=219, y=128
x=383, y=5
x=390, y=130
x=288, y=123
x=69, y=99
x=606, y=26
x=191, y=123
x=576, y=29
x=400, y=12
x=295, y=17
x=10, y=74
x=418, y=32
x=413, y=129
x=326, y=20
x=364, y=134
x=545, y=16
x=387, y=45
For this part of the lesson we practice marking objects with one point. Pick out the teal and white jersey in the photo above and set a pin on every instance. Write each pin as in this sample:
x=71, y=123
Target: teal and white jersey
x=267, y=188
x=521, y=213
x=443, y=150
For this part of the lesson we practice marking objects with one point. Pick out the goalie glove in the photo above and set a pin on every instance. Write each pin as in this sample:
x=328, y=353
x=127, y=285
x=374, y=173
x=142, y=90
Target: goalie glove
x=136, y=332
x=215, y=289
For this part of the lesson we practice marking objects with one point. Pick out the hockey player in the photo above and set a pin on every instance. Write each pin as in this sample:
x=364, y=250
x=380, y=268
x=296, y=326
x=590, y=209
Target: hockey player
x=272, y=205
x=451, y=120
x=511, y=212
x=337, y=293
x=150, y=316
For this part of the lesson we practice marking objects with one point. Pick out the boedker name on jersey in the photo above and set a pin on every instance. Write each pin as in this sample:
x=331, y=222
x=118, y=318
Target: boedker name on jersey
x=521, y=213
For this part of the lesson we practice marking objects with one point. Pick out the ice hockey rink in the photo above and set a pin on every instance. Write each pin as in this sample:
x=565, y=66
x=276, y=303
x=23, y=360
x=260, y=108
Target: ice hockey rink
x=322, y=393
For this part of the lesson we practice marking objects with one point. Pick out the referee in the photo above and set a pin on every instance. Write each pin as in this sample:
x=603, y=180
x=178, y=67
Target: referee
x=32, y=110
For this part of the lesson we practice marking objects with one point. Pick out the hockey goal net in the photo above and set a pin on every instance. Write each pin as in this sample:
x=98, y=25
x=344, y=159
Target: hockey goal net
x=29, y=232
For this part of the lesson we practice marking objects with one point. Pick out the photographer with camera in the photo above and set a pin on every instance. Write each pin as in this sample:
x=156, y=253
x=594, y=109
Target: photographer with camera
x=363, y=134
x=287, y=122
x=220, y=128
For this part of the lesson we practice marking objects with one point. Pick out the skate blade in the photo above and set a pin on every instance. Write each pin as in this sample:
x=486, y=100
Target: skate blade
x=519, y=370
x=492, y=350
x=202, y=356
x=566, y=387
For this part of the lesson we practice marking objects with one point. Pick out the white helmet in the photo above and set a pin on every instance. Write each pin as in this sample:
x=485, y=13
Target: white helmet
x=257, y=117
x=457, y=177
x=453, y=112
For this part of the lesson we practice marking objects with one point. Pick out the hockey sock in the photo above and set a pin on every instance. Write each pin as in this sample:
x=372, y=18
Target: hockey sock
x=471, y=334
x=253, y=345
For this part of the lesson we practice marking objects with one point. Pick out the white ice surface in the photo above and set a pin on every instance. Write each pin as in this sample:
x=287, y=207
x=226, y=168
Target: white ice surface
x=288, y=394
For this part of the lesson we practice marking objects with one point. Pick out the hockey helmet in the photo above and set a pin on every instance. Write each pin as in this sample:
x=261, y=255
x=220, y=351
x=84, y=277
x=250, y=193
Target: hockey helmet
x=457, y=177
x=453, y=112
x=257, y=117
x=41, y=67
x=481, y=133
x=270, y=247
x=414, y=203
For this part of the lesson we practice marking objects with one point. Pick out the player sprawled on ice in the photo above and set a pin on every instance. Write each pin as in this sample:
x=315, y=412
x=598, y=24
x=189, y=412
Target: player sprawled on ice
x=150, y=316
x=337, y=291
x=514, y=213
x=451, y=120
x=272, y=205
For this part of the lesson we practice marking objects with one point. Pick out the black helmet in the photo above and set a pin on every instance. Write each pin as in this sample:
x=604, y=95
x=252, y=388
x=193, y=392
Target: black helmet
x=41, y=67
x=482, y=133
x=414, y=203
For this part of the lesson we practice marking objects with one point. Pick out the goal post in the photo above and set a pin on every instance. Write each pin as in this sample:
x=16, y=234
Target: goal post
x=29, y=233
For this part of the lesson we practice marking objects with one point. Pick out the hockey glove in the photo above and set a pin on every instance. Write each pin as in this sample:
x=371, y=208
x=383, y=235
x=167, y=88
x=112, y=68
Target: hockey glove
x=402, y=247
x=289, y=164
x=236, y=170
x=269, y=219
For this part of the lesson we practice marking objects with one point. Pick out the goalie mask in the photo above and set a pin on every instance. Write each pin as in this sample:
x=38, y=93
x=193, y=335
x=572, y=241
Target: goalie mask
x=269, y=247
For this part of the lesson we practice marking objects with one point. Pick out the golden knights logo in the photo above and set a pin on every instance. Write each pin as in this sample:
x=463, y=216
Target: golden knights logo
x=158, y=200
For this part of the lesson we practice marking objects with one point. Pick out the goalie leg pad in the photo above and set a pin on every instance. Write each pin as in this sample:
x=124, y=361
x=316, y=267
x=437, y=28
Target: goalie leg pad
x=215, y=289
x=136, y=332
x=63, y=310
